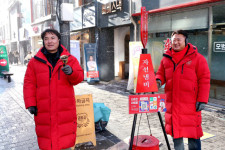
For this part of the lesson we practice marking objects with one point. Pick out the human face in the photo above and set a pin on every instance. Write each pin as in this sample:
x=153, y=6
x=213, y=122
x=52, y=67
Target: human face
x=178, y=42
x=91, y=58
x=51, y=42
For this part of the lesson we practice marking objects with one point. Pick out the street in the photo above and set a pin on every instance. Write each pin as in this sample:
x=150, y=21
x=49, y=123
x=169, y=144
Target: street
x=18, y=131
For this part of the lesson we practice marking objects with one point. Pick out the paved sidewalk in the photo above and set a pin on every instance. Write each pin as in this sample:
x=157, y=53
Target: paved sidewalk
x=16, y=124
x=18, y=131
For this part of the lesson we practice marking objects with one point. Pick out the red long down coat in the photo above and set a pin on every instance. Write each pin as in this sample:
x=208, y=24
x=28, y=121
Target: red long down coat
x=53, y=94
x=186, y=83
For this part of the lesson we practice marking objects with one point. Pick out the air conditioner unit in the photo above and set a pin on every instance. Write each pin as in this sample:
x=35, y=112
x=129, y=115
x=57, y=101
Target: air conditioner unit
x=66, y=12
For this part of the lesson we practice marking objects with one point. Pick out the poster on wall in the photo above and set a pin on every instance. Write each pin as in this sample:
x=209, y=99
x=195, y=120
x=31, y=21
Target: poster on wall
x=75, y=49
x=91, y=62
x=135, y=49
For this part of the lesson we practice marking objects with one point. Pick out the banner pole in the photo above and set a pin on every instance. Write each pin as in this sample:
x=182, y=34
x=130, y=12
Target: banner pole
x=133, y=131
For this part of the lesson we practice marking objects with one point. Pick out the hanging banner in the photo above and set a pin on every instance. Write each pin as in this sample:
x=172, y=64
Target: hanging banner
x=149, y=103
x=85, y=119
x=4, y=60
x=91, y=62
x=135, y=49
x=146, y=81
x=75, y=49
x=144, y=26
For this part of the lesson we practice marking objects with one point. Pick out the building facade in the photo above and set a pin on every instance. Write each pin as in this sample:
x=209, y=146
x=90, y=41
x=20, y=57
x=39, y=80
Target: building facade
x=106, y=23
x=43, y=16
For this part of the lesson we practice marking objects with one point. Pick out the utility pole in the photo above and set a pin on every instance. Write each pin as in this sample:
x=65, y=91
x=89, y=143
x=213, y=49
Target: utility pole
x=64, y=27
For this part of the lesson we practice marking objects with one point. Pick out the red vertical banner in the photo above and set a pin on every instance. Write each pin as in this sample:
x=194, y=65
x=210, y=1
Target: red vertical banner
x=144, y=26
x=146, y=81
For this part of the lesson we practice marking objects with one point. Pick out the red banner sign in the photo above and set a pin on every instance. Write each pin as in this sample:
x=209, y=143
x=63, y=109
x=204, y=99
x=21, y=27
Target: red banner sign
x=149, y=103
x=92, y=74
x=144, y=26
x=146, y=81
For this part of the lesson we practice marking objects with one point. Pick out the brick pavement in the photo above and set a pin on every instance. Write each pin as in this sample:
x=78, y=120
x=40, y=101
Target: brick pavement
x=17, y=126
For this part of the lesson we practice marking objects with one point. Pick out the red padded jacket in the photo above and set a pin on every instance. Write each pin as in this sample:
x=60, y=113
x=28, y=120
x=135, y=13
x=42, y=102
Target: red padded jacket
x=187, y=82
x=51, y=90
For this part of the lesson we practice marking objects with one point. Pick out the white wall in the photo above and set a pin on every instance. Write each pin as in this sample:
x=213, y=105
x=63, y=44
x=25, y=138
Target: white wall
x=119, y=48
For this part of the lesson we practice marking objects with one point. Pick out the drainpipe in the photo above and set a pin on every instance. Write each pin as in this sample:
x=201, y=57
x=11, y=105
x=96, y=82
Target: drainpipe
x=210, y=37
x=133, y=22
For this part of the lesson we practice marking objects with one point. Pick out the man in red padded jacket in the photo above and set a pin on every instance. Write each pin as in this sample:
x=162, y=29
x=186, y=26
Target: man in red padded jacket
x=49, y=93
x=187, y=77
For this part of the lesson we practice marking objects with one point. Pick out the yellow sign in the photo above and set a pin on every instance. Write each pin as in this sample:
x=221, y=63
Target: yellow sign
x=85, y=119
x=205, y=136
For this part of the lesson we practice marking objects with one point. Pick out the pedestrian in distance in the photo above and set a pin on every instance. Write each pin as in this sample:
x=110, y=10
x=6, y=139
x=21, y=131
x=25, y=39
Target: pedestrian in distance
x=187, y=77
x=11, y=57
x=49, y=93
x=28, y=58
x=16, y=57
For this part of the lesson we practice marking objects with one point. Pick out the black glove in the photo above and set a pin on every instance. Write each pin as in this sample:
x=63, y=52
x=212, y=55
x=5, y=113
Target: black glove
x=200, y=106
x=33, y=110
x=158, y=83
x=67, y=70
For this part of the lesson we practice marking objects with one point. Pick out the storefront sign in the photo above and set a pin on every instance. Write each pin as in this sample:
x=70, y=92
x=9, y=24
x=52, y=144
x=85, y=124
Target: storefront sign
x=112, y=7
x=146, y=81
x=89, y=16
x=149, y=103
x=85, y=119
x=91, y=62
x=219, y=47
x=144, y=26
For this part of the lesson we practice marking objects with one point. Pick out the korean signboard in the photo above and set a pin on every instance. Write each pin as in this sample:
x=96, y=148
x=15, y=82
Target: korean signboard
x=219, y=47
x=112, y=7
x=148, y=103
x=146, y=81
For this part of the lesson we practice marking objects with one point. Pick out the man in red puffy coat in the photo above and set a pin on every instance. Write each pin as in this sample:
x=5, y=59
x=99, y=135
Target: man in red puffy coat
x=187, y=77
x=49, y=94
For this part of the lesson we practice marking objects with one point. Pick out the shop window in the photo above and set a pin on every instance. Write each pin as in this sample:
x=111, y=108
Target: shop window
x=218, y=54
x=218, y=14
x=190, y=20
x=161, y=23
x=158, y=43
x=199, y=38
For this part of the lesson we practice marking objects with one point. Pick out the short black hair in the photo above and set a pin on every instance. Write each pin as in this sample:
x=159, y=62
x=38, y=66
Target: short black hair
x=184, y=33
x=50, y=31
